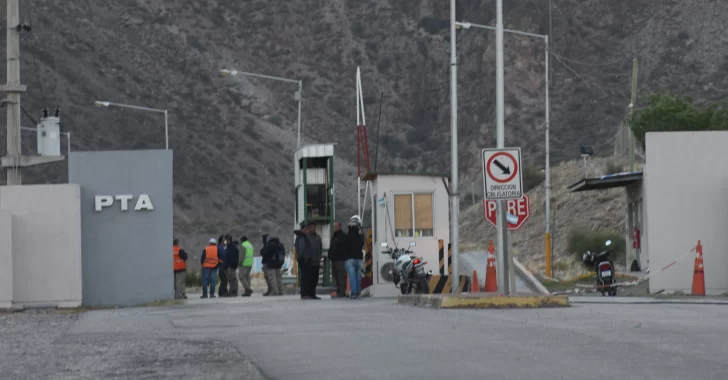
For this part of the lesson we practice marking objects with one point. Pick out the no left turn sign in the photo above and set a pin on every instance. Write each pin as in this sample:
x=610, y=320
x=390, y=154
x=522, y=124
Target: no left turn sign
x=502, y=173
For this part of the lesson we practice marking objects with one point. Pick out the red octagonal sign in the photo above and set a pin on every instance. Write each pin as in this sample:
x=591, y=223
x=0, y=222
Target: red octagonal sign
x=518, y=210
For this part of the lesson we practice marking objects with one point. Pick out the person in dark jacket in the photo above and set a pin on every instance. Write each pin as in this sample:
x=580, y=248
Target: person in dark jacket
x=232, y=259
x=337, y=250
x=309, y=251
x=221, y=248
x=273, y=257
x=354, y=247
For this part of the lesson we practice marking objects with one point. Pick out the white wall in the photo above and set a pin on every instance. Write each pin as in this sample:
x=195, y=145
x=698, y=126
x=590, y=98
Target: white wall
x=6, y=260
x=686, y=200
x=426, y=246
x=46, y=243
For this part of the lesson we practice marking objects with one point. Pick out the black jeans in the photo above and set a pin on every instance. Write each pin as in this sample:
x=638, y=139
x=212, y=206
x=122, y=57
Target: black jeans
x=222, y=290
x=339, y=273
x=309, y=279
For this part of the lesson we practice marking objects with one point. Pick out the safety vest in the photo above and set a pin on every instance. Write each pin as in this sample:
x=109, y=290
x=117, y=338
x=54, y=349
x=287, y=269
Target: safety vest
x=211, y=260
x=179, y=264
x=248, y=260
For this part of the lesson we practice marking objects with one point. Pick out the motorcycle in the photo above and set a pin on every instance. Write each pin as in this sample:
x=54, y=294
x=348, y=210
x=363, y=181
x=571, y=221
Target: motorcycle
x=408, y=271
x=603, y=265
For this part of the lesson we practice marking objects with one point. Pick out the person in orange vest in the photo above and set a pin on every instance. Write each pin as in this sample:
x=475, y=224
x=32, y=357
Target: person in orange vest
x=210, y=262
x=180, y=270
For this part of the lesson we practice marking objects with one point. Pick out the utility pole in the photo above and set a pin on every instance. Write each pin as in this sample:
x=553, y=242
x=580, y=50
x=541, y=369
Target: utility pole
x=632, y=105
x=504, y=261
x=14, y=160
x=13, y=89
x=454, y=201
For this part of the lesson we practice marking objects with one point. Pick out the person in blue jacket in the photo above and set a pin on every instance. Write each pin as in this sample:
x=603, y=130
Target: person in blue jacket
x=232, y=260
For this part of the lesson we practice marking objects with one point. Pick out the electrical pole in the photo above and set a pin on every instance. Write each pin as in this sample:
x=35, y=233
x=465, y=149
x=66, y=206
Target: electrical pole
x=14, y=160
x=454, y=201
x=504, y=260
x=13, y=89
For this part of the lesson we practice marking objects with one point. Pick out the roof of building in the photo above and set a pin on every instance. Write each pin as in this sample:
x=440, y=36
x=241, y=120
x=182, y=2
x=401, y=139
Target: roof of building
x=373, y=175
x=608, y=181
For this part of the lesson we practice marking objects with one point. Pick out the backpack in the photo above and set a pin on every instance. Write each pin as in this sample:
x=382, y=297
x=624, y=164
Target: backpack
x=279, y=258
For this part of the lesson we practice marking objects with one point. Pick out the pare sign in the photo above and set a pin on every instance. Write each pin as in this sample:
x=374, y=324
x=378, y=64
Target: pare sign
x=143, y=202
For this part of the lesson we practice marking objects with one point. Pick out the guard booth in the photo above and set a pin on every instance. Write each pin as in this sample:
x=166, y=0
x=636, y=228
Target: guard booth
x=403, y=208
x=315, y=196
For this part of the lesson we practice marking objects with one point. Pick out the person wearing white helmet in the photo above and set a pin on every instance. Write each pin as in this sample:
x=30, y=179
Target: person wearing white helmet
x=354, y=255
x=210, y=261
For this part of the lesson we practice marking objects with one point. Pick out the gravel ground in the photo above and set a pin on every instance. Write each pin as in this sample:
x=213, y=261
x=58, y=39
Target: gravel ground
x=45, y=345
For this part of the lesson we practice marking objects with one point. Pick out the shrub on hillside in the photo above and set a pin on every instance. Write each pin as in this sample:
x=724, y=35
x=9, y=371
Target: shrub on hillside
x=581, y=240
x=532, y=177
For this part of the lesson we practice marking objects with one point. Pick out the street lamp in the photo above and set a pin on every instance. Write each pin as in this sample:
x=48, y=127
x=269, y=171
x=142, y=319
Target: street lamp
x=298, y=94
x=547, y=124
x=99, y=103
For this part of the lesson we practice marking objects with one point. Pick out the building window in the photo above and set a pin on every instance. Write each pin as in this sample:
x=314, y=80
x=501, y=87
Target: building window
x=413, y=215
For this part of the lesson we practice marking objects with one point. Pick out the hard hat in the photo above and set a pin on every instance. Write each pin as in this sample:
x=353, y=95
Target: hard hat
x=213, y=241
x=354, y=221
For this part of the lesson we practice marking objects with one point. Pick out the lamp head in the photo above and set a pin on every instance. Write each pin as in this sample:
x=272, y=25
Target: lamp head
x=101, y=104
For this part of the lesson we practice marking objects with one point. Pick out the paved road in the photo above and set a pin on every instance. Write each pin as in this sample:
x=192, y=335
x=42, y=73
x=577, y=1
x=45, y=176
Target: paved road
x=369, y=339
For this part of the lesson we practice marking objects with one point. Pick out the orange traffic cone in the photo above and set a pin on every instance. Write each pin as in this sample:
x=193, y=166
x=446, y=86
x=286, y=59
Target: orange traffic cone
x=474, y=287
x=491, y=282
x=698, y=275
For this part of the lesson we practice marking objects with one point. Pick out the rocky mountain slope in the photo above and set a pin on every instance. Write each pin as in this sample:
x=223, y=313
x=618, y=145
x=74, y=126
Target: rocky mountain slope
x=233, y=139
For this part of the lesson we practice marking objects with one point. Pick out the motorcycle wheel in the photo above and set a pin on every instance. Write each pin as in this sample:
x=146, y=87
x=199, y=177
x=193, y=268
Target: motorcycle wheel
x=423, y=286
x=404, y=288
x=612, y=292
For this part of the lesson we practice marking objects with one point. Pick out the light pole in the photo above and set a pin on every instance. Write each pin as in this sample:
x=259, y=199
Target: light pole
x=166, y=123
x=298, y=93
x=454, y=200
x=547, y=125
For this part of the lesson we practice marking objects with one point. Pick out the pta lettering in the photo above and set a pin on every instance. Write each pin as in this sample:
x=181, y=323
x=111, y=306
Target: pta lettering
x=142, y=203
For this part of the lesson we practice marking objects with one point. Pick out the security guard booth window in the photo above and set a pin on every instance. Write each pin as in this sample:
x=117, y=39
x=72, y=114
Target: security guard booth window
x=413, y=215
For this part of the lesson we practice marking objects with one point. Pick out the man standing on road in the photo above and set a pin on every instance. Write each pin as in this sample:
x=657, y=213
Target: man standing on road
x=354, y=246
x=180, y=270
x=209, y=263
x=337, y=249
x=232, y=259
x=221, y=248
x=273, y=257
x=246, y=266
x=309, y=250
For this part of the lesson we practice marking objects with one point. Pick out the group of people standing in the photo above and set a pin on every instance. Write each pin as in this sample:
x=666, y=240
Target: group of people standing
x=221, y=258
x=345, y=254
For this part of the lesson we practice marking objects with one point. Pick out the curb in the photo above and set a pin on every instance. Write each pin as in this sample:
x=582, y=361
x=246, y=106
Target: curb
x=644, y=301
x=482, y=301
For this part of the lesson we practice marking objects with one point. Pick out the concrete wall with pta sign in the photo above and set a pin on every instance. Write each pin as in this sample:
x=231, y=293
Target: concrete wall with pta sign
x=686, y=200
x=126, y=214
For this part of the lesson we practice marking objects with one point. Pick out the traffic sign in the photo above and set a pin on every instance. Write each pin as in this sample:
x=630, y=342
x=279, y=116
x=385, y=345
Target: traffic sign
x=502, y=173
x=517, y=212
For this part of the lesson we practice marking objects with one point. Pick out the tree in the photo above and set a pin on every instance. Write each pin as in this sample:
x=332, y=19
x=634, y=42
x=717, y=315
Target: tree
x=668, y=112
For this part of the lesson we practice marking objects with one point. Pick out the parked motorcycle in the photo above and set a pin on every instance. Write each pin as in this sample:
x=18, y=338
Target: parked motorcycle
x=408, y=272
x=603, y=265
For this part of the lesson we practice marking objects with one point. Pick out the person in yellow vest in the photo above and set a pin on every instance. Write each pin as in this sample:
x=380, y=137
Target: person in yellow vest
x=209, y=261
x=246, y=266
x=180, y=270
